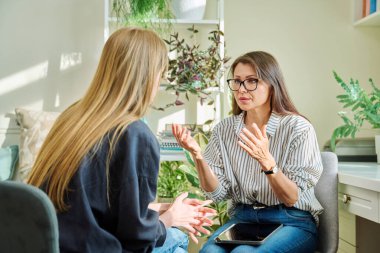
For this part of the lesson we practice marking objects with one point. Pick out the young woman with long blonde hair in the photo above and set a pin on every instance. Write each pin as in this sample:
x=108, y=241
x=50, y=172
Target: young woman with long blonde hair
x=99, y=163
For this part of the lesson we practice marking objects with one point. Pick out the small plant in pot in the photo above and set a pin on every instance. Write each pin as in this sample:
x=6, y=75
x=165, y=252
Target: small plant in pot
x=192, y=70
x=364, y=107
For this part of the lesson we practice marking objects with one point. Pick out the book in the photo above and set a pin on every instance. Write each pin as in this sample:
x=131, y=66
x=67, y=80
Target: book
x=372, y=6
x=364, y=8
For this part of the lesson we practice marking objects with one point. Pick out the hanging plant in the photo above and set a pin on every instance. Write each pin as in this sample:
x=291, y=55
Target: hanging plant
x=143, y=13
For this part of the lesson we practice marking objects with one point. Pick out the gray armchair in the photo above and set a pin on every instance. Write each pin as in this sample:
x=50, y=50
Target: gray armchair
x=326, y=192
x=28, y=221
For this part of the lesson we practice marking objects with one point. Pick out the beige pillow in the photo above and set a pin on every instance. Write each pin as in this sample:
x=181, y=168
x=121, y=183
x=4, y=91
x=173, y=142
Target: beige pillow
x=35, y=125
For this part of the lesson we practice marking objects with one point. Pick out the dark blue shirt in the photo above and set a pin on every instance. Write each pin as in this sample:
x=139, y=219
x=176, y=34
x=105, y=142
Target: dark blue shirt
x=119, y=221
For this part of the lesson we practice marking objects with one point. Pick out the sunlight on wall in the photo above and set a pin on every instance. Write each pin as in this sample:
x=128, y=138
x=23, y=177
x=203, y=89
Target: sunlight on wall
x=57, y=101
x=70, y=60
x=23, y=78
x=176, y=117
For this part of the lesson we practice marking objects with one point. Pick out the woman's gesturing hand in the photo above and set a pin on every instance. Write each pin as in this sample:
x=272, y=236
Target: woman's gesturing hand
x=256, y=144
x=183, y=136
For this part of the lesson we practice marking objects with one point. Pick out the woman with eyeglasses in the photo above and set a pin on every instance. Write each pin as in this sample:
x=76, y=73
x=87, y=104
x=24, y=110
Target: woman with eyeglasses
x=99, y=163
x=265, y=159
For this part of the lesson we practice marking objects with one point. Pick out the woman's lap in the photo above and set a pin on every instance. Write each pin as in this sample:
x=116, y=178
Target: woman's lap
x=176, y=242
x=298, y=234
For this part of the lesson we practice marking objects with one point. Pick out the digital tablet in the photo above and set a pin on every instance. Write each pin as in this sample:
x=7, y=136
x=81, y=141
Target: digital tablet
x=247, y=233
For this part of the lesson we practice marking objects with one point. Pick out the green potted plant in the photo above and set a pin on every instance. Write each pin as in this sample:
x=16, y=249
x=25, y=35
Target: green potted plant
x=191, y=174
x=364, y=107
x=176, y=177
x=171, y=181
x=144, y=13
x=192, y=70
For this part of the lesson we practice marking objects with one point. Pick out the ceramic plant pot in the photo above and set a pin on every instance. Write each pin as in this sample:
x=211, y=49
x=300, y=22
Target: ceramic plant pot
x=189, y=9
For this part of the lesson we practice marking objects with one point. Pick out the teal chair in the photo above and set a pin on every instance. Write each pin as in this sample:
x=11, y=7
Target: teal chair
x=28, y=221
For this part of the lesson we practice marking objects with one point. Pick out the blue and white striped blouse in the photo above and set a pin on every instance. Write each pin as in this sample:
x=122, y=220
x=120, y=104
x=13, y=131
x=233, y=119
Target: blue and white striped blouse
x=292, y=143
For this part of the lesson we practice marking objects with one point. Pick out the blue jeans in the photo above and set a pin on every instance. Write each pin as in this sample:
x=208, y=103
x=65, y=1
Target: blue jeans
x=176, y=241
x=299, y=233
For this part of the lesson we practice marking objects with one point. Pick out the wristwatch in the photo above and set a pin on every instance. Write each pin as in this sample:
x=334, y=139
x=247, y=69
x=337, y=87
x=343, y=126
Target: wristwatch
x=274, y=170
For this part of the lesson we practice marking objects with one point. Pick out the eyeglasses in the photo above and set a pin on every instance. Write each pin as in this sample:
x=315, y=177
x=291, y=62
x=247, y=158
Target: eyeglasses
x=250, y=84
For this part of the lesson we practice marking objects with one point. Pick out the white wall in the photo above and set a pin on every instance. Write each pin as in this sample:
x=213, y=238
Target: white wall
x=310, y=39
x=48, y=53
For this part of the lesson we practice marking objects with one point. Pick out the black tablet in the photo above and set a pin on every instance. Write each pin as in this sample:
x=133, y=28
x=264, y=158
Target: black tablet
x=247, y=233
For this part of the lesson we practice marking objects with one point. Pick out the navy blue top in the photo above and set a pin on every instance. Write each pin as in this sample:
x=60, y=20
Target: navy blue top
x=123, y=223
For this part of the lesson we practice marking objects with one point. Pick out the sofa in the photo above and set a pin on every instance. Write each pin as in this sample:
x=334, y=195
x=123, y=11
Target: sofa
x=16, y=161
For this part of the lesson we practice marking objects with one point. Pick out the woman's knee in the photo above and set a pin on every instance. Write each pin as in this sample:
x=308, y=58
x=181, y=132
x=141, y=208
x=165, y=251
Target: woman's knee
x=178, y=236
x=211, y=247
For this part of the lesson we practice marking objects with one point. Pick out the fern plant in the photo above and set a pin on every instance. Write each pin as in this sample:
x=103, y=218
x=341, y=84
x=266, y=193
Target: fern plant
x=364, y=107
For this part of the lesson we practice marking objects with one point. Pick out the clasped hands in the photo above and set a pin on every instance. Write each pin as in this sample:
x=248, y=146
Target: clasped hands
x=190, y=214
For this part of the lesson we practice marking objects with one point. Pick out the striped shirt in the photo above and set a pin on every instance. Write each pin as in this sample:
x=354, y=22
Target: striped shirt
x=293, y=145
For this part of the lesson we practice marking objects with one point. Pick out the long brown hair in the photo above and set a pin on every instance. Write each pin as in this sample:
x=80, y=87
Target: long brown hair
x=268, y=70
x=120, y=93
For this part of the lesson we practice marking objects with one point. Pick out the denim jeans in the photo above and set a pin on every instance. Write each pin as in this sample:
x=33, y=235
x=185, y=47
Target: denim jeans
x=176, y=241
x=299, y=233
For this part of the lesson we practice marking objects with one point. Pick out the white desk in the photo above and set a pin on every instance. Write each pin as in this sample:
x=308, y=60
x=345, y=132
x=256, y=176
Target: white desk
x=359, y=189
x=364, y=175
x=359, y=197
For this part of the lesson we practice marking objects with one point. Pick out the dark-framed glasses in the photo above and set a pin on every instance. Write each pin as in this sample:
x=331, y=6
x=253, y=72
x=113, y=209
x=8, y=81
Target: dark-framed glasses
x=250, y=84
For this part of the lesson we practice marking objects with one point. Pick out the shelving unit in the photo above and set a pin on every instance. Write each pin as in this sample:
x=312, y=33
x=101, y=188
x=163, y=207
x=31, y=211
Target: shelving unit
x=216, y=18
x=371, y=20
x=180, y=21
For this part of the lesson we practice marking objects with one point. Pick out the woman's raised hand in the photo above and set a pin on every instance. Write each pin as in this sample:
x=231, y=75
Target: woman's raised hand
x=183, y=136
x=256, y=144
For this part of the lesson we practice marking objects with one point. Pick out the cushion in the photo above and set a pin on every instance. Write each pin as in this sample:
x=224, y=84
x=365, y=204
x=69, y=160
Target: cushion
x=8, y=161
x=35, y=125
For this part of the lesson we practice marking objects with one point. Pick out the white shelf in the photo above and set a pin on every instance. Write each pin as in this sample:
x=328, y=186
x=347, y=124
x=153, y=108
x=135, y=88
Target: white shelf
x=191, y=21
x=178, y=21
x=218, y=19
x=370, y=20
x=211, y=89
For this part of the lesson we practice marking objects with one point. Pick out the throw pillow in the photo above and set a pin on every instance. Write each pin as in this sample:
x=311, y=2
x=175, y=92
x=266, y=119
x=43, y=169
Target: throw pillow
x=35, y=125
x=8, y=161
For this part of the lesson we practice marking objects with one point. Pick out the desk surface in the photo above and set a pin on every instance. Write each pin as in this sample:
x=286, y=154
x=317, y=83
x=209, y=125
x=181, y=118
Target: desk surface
x=364, y=175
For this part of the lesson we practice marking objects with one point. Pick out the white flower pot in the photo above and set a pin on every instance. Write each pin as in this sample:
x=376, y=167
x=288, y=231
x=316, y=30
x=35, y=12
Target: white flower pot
x=189, y=9
x=377, y=146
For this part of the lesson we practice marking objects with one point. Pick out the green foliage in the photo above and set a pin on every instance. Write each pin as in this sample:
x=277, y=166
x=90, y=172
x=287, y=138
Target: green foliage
x=364, y=107
x=177, y=177
x=193, y=70
x=171, y=180
x=192, y=177
x=222, y=217
x=143, y=13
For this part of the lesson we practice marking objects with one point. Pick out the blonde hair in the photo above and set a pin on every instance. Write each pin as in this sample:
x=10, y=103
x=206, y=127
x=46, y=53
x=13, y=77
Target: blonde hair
x=120, y=93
